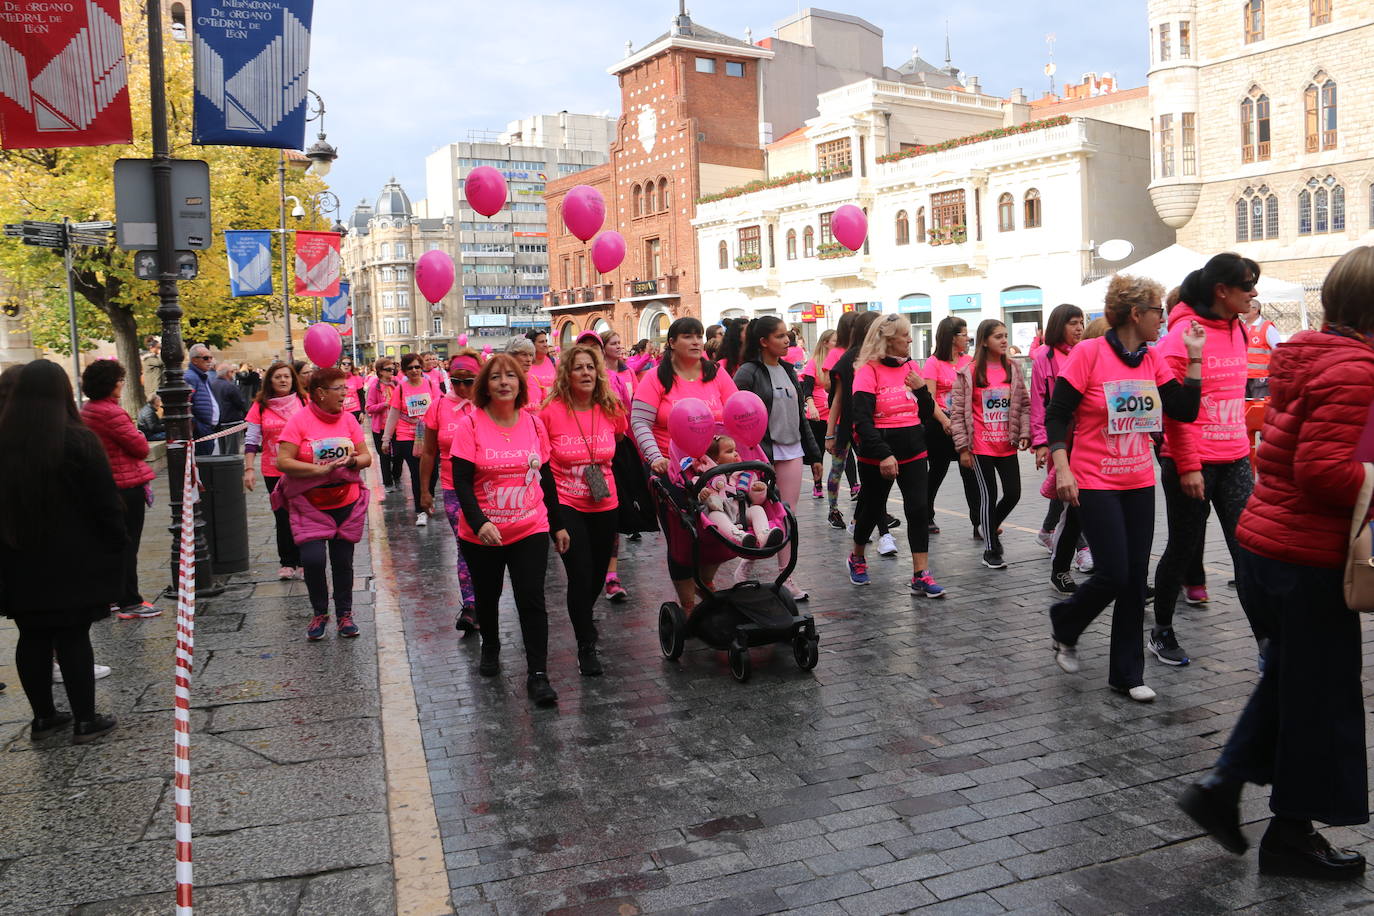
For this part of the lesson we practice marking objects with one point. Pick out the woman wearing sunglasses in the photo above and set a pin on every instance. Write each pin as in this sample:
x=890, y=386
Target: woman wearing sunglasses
x=441, y=420
x=410, y=401
x=378, y=399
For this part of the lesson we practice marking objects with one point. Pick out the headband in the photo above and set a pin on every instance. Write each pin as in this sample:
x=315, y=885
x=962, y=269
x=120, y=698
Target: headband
x=464, y=362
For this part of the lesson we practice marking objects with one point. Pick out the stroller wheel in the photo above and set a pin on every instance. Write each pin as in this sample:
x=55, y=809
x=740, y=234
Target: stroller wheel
x=739, y=662
x=672, y=630
x=806, y=650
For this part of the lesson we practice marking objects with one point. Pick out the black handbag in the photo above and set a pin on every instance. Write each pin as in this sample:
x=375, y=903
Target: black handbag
x=636, y=512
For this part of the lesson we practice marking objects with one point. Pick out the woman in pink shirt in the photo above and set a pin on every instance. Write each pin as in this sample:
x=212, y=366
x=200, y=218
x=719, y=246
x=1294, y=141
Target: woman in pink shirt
x=816, y=402
x=277, y=402
x=410, y=401
x=543, y=367
x=632, y=489
x=322, y=449
x=940, y=371
x=584, y=420
x=442, y=418
x=841, y=453
x=377, y=398
x=1114, y=393
x=509, y=504
x=353, y=403
x=685, y=372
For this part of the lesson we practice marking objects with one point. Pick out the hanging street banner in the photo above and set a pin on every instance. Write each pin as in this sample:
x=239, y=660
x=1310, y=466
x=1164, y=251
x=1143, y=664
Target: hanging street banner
x=252, y=61
x=250, y=261
x=318, y=263
x=336, y=308
x=63, y=76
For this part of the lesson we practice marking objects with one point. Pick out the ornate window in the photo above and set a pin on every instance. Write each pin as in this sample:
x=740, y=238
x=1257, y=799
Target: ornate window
x=1254, y=21
x=947, y=209
x=1166, y=146
x=1319, y=108
x=826, y=235
x=1185, y=39
x=903, y=228
x=1320, y=12
x=920, y=225
x=1271, y=217
x=637, y=197
x=1305, y=212
x=1032, y=207
x=791, y=244
x=1189, y=131
x=809, y=242
x=1254, y=117
x=749, y=246
x=650, y=198
x=1165, y=42
x=724, y=255
x=1006, y=213
x=1321, y=207
x=663, y=200
x=1242, y=223
x=833, y=160
x=1257, y=215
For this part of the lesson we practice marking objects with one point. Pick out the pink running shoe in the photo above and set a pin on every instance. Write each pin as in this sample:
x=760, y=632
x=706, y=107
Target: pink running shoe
x=1195, y=595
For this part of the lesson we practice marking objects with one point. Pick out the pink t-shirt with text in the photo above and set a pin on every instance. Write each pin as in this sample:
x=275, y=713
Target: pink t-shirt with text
x=650, y=391
x=819, y=396
x=1121, y=406
x=442, y=419
x=320, y=441
x=352, y=402
x=992, y=415
x=545, y=373
x=506, y=481
x=944, y=374
x=272, y=423
x=896, y=405
x=413, y=403
x=576, y=441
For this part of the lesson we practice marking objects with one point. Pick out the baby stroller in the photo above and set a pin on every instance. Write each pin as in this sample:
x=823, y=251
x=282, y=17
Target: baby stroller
x=749, y=613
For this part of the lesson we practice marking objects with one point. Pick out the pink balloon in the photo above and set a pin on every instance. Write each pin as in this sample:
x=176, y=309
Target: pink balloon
x=745, y=418
x=462, y=340
x=486, y=351
x=584, y=210
x=849, y=225
x=434, y=275
x=323, y=344
x=485, y=190
x=691, y=426
x=608, y=251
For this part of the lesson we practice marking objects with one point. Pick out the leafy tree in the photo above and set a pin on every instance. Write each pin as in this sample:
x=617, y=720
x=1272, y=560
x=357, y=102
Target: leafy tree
x=113, y=305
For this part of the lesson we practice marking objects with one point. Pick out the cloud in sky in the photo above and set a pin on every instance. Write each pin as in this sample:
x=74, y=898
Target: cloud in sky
x=400, y=80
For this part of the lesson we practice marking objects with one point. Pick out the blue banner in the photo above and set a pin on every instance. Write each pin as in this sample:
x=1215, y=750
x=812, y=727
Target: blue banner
x=252, y=59
x=250, y=261
x=335, y=309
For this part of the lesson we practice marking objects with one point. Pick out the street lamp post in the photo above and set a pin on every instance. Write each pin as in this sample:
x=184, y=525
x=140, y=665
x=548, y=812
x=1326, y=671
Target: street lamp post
x=321, y=155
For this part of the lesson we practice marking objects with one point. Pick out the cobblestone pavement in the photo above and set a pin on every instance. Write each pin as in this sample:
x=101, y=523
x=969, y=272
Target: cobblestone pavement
x=936, y=760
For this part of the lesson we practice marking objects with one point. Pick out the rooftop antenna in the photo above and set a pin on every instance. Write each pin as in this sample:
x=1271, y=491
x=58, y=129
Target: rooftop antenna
x=948, y=59
x=1050, y=68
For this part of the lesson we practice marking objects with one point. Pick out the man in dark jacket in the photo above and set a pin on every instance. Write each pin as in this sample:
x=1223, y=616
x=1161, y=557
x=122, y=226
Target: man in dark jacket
x=232, y=406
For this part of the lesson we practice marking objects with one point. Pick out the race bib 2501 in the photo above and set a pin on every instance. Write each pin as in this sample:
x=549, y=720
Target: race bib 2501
x=331, y=449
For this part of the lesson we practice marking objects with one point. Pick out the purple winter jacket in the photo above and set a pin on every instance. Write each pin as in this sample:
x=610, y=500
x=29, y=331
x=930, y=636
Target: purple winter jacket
x=311, y=524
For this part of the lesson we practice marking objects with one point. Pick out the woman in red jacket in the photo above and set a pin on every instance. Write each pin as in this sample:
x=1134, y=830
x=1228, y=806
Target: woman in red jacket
x=103, y=382
x=1303, y=729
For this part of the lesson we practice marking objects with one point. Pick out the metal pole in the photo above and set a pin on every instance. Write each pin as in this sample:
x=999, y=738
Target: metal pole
x=175, y=393
x=285, y=267
x=71, y=308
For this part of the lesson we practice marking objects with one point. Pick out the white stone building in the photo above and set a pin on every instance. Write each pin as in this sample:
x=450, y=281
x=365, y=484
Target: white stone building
x=1002, y=224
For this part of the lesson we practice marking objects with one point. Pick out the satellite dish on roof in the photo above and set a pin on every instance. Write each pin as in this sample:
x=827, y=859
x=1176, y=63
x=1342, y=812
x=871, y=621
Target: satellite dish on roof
x=1115, y=250
x=1050, y=69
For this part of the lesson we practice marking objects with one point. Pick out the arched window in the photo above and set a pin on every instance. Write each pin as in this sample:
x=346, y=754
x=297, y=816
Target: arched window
x=791, y=244
x=724, y=254
x=1006, y=213
x=651, y=198
x=1033, y=215
x=1305, y=212
x=1337, y=209
x=920, y=225
x=1254, y=118
x=637, y=197
x=1242, y=221
x=1321, y=209
x=663, y=194
x=1319, y=110
x=809, y=242
x=1256, y=217
x=177, y=13
x=1254, y=20
x=1271, y=216
x=903, y=229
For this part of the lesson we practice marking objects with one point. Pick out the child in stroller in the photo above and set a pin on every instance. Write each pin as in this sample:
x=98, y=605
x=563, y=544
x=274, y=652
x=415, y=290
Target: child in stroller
x=728, y=498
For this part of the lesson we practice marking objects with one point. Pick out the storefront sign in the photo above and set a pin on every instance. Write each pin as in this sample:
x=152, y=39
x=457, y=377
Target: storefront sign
x=1016, y=298
x=818, y=310
x=966, y=303
x=910, y=304
x=644, y=288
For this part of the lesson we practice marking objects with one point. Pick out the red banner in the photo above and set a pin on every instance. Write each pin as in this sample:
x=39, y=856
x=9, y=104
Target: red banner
x=63, y=74
x=318, y=263
x=819, y=310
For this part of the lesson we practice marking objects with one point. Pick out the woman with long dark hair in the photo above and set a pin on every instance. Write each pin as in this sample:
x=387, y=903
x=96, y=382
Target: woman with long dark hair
x=277, y=402
x=377, y=396
x=940, y=370
x=842, y=454
x=731, y=352
x=816, y=404
x=58, y=503
x=632, y=488
x=410, y=401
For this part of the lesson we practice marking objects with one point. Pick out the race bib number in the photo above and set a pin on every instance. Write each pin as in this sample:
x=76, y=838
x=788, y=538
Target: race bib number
x=417, y=405
x=331, y=449
x=1133, y=406
x=996, y=405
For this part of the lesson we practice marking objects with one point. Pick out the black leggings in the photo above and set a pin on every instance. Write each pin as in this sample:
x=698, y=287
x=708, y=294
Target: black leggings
x=1120, y=524
x=591, y=538
x=528, y=560
x=992, y=512
x=340, y=555
x=33, y=654
x=135, y=503
x=1225, y=486
x=287, y=552
x=872, y=507
x=390, y=464
x=412, y=459
x=940, y=449
x=1070, y=539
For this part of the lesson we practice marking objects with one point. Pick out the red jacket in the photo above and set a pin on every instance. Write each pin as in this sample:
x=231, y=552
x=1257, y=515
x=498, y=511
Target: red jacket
x=125, y=445
x=1320, y=386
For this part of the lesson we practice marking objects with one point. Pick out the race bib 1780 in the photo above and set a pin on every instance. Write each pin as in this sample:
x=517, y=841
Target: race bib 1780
x=327, y=450
x=416, y=405
x=1133, y=406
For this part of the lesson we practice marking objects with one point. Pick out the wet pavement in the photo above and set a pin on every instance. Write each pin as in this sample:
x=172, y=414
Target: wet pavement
x=936, y=759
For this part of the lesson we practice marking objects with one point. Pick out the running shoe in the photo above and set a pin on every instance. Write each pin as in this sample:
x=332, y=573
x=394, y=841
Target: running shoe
x=1063, y=583
x=926, y=586
x=615, y=591
x=836, y=519
x=854, y=491
x=1195, y=595
x=346, y=625
x=467, y=620
x=1083, y=560
x=138, y=611
x=816, y=490
x=1140, y=693
x=318, y=624
x=894, y=522
x=286, y=572
x=1164, y=644
x=932, y=528
x=858, y=570
x=1046, y=540
x=540, y=690
x=993, y=560
x=41, y=728
x=421, y=519
x=1065, y=656
x=887, y=546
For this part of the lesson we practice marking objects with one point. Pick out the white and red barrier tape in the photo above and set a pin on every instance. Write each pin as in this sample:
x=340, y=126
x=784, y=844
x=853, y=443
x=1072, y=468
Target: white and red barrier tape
x=186, y=632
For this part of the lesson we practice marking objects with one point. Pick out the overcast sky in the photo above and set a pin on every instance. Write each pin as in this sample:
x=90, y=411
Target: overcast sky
x=399, y=86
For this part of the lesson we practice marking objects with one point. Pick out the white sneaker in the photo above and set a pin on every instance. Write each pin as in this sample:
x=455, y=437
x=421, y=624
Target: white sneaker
x=100, y=671
x=1066, y=657
x=1046, y=540
x=421, y=519
x=1141, y=694
x=887, y=545
x=1083, y=560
